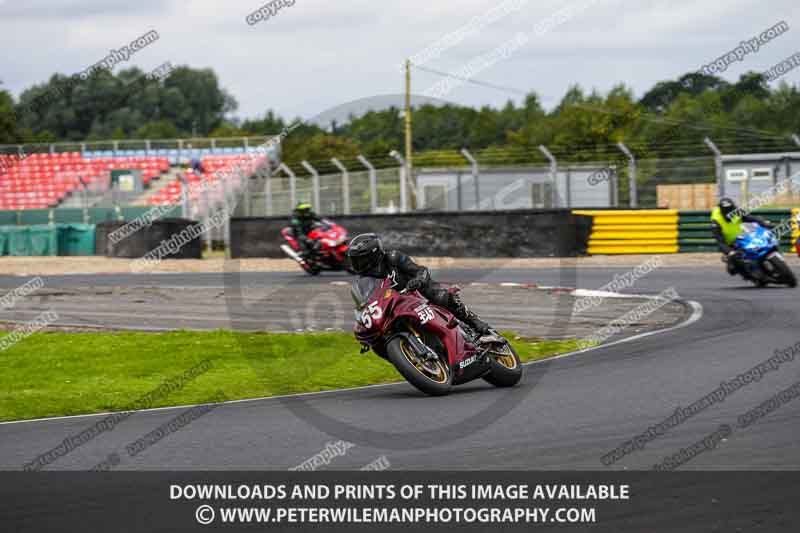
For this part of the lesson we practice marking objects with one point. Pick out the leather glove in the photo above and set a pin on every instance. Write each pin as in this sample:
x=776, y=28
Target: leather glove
x=414, y=284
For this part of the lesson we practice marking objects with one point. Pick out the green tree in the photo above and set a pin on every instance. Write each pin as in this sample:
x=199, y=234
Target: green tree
x=162, y=129
x=8, y=122
x=271, y=124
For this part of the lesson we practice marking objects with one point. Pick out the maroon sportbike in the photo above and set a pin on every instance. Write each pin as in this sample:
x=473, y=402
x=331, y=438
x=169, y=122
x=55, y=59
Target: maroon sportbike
x=429, y=346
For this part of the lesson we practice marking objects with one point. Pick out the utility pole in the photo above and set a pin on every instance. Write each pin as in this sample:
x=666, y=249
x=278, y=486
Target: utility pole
x=408, y=158
x=796, y=139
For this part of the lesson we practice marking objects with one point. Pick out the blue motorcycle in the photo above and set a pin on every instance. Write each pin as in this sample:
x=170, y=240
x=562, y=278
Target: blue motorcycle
x=760, y=258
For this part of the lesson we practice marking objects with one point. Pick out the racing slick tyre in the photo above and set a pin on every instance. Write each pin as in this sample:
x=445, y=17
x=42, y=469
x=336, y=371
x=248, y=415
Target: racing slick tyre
x=506, y=366
x=431, y=377
x=783, y=273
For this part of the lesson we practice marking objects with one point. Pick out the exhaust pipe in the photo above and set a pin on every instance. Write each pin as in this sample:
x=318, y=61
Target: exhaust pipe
x=291, y=253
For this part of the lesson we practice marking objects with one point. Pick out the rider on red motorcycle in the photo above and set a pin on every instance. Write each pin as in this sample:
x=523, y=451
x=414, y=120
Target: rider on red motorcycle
x=368, y=258
x=302, y=222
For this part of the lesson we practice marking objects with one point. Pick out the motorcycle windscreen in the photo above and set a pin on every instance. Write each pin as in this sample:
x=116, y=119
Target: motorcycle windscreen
x=362, y=289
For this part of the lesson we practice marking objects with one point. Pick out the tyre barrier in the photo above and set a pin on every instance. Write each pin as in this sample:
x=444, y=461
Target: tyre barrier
x=668, y=231
x=694, y=229
x=645, y=231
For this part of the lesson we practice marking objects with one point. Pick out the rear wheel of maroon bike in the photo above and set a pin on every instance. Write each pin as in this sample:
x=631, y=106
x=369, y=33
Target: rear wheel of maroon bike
x=432, y=377
x=506, y=366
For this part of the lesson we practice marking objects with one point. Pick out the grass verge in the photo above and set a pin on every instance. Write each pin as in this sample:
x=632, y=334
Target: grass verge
x=53, y=373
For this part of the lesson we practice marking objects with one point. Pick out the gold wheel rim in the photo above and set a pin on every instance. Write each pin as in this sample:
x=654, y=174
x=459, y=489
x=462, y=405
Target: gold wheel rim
x=437, y=375
x=505, y=357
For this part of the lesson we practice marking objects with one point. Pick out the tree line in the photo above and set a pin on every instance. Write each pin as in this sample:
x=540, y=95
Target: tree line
x=669, y=120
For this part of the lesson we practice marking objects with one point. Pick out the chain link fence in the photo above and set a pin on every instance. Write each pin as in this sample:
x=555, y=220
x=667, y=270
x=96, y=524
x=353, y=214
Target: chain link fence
x=596, y=184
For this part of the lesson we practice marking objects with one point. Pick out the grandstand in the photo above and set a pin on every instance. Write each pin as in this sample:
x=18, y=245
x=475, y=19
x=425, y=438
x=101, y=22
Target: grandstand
x=48, y=180
x=214, y=168
x=44, y=180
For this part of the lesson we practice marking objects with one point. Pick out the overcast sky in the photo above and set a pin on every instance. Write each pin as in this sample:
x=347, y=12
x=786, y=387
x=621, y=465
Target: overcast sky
x=319, y=54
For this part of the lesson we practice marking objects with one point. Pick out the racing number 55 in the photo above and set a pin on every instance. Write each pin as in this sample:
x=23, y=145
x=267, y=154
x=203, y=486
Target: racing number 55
x=372, y=312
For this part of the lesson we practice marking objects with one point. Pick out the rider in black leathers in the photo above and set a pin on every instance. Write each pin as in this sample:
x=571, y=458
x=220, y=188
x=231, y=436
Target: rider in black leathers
x=368, y=258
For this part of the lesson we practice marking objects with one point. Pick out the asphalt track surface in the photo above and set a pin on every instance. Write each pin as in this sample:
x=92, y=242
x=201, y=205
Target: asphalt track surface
x=566, y=415
x=290, y=303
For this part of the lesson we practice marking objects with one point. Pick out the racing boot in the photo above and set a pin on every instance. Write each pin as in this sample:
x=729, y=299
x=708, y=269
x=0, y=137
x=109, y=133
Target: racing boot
x=734, y=261
x=466, y=315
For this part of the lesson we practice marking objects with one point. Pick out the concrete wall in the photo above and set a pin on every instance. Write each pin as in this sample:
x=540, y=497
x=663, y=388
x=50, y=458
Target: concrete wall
x=521, y=233
x=146, y=240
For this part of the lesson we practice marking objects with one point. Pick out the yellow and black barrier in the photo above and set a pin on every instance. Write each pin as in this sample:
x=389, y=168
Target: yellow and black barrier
x=668, y=231
x=646, y=231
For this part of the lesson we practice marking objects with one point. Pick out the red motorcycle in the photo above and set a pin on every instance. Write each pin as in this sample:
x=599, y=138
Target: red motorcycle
x=331, y=241
x=427, y=344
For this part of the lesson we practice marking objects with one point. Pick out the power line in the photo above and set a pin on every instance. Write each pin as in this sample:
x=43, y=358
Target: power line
x=676, y=122
x=643, y=116
x=472, y=80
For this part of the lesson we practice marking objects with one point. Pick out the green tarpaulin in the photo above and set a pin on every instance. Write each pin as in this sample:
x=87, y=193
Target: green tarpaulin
x=75, y=239
x=30, y=240
x=47, y=239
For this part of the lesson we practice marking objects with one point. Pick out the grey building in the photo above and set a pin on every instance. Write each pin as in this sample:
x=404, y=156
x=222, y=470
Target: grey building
x=744, y=175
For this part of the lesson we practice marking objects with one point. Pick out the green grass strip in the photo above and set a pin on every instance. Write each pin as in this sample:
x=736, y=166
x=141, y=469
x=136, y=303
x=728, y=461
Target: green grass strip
x=54, y=374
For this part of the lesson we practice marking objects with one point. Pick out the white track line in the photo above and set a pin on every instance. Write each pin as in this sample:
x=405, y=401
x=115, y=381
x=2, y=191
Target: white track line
x=587, y=293
x=697, y=314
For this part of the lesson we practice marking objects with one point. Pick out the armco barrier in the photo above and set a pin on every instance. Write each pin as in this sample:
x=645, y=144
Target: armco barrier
x=694, y=229
x=145, y=240
x=519, y=233
x=646, y=231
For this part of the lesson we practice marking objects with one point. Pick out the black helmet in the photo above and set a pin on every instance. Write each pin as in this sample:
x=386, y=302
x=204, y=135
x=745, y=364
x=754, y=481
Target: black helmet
x=727, y=208
x=365, y=252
